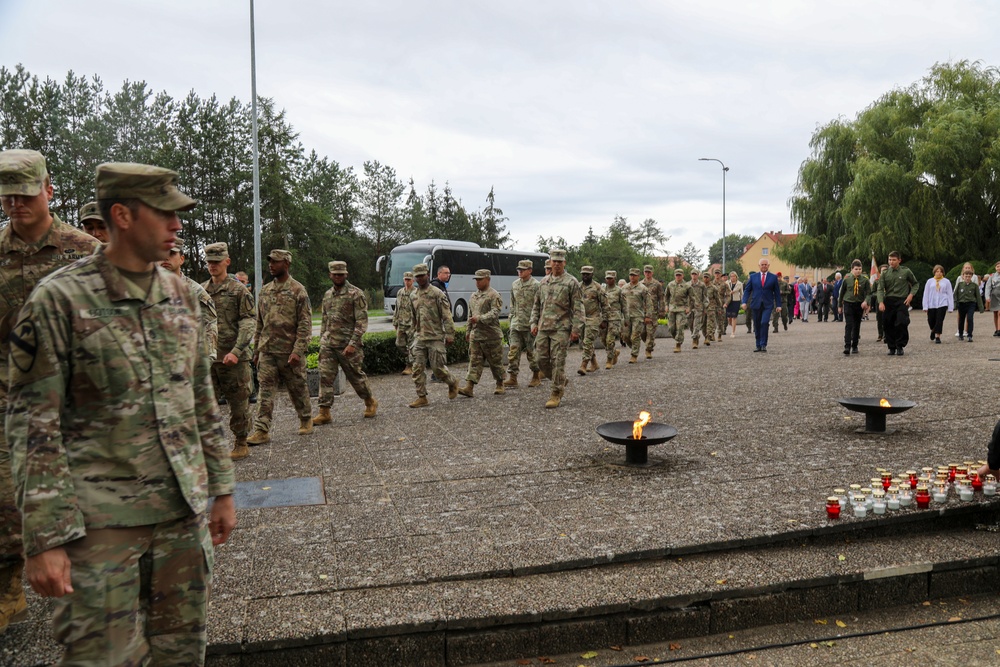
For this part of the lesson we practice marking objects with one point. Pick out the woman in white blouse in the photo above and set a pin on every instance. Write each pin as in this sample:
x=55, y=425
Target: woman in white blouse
x=939, y=300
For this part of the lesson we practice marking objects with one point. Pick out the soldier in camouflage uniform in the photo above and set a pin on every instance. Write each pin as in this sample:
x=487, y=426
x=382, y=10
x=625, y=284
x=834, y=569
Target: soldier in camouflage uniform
x=640, y=310
x=679, y=304
x=92, y=222
x=231, y=370
x=712, y=299
x=698, y=303
x=433, y=332
x=595, y=313
x=655, y=289
x=786, y=291
x=345, y=321
x=209, y=318
x=117, y=441
x=484, y=335
x=617, y=314
x=281, y=341
x=33, y=244
x=556, y=319
x=402, y=322
x=522, y=298
x=725, y=294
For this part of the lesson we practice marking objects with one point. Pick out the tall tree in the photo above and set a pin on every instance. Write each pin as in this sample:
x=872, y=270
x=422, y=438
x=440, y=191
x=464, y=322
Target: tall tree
x=650, y=238
x=381, y=205
x=491, y=225
x=692, y=255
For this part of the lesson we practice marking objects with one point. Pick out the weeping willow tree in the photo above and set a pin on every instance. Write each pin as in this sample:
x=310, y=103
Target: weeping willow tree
x=918, y=171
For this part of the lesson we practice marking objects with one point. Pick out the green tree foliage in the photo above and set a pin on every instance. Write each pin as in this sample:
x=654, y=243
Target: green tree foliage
x=917, y=171
x=311, y=205
x=615, y=250
x=735, y=244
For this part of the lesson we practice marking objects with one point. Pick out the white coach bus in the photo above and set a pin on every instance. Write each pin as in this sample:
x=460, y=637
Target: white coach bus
x=464, y=259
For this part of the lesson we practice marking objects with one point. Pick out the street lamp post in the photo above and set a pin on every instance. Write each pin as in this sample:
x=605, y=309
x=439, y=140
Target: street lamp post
x=256, y=159
x=724, y=170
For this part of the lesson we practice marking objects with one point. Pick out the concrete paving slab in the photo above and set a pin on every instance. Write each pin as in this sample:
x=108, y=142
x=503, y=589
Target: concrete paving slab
x=280, y=492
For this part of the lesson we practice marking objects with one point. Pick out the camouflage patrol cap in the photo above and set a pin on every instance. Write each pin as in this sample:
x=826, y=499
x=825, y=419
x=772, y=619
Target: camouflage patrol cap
x=178, y=245
x=525, y=264
x=678, y=272
x=648, y=267
x=718, y=272
x=610, y=274
x=153, y=186
x=337, y=267
x=408, y=274
x=587, y=269
x=420, y=270
x=557, y=255
x=483, y=273
x=22, y=173
x=706, y=275
x=634, y=272
x=90, y=211
x=216, y=252
x=548, y=264
x=279, y=255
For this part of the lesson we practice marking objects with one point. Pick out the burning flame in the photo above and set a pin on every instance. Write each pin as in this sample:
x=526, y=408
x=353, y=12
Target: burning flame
x=883, y=403
x=637, y=425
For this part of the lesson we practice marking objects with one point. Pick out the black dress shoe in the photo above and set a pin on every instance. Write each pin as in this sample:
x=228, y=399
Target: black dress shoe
x=763, y=349
x=892, y=352
x=899, y=352
x=847, y=350
x=854, y=349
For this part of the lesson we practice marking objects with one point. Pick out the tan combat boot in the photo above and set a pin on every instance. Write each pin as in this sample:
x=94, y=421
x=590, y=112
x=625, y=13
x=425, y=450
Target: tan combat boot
x=499, y=391
x=609, y=364
x=420, y=402
x=582, y=370
x=13, y=604
x=371, y=405
x=593, y=363
x=694, y=345
x=323, y=417
x=677, y=348
x=259, y=437
x=618, y=353
x=554, y=399
x=407, y=371
x=649, y=354
x=305, y=426
x=511, y=380
x=453, y=389
x=467, y=390
x=536, y=379
x=633, y=359
x=240, y=450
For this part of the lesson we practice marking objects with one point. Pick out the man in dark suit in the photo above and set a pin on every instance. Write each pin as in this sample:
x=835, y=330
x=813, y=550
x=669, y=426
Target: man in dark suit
x=762, y=294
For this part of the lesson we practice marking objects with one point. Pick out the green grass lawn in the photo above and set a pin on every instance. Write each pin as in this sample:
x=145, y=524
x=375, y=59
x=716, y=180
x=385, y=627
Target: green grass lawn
x=317, y=318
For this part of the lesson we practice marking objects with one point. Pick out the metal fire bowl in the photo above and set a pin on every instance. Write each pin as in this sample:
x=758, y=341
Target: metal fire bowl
x=874, y=413
x=620, y=433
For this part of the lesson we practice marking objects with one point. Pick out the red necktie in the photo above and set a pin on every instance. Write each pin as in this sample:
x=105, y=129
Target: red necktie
x=762, y=276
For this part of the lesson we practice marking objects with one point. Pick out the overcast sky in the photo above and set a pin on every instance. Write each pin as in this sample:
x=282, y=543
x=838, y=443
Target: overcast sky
x=573, y=111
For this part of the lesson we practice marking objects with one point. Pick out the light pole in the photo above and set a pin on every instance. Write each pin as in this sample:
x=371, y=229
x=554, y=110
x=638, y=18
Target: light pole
x=256, y=162
x=724, y=170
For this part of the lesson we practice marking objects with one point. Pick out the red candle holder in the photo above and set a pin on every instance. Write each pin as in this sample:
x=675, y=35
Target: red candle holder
x=912, y=474
x=977, y=482
x=923, y=497
x=833, y=507
x=952, y=471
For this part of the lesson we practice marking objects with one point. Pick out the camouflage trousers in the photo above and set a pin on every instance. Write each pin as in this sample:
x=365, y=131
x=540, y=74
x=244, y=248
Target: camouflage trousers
x=676, y=323
x=140, y=595
x=233, y=384
x=783, y=316
x=485, y=352
x=611, y=337
x=697, y=320
x=433, y=354
x=551, y=348
x=331, y=360
x=404, y=339
x=272, y=368
x=521, y=340
x=708, y=324
x=637, y=327
x=591, y=332
x=720, y=323
x=649, y=335
x=11, y=560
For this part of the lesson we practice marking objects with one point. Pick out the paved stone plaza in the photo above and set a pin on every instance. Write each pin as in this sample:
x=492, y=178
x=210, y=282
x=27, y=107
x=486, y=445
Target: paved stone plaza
x=444, y=524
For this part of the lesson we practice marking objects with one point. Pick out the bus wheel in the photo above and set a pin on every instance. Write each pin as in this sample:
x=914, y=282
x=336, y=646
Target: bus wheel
x=461, y=311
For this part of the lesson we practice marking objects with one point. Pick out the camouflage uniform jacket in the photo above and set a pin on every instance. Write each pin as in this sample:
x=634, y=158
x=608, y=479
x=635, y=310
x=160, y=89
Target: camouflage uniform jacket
x=655, y=288
x=402, y=319
x=699, y=298
x=558, y=305
x=786, y=290
x=430, y=311
x=522, y=300
x=209, y=316
x=345, y=317
x=640, y=303
x=22, y=265
x=235, y=311
x=725, y=292
x=486, y=306
x=617, y=304
x=595, y=304
x=112, y=420
x=712, y=295
x=284, y=318
x=678, y=297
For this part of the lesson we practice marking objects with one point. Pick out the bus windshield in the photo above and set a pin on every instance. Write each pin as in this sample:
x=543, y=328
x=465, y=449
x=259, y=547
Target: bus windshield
x=399, y=263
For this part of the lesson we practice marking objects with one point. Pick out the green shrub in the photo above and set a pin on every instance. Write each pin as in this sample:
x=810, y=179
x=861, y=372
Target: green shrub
x=382, y=356
x=922, y=271
x=980, y=268
x=312, y=360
